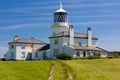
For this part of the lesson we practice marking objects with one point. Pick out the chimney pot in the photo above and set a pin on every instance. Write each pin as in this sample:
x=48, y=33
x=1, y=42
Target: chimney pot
x=16, y=37
x=89, y=28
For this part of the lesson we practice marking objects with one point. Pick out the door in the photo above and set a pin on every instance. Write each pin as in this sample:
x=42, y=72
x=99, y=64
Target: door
x=29, y=56
x=44, y=56
x=84, y=54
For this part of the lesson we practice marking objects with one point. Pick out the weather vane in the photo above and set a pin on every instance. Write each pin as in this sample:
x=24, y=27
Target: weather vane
x=60, y=3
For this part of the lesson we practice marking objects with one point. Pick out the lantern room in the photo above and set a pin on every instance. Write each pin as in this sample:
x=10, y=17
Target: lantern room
x=60, y=15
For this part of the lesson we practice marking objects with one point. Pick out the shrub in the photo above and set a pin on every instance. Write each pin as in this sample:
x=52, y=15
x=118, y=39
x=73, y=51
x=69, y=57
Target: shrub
x=93, y=57
x=2, y=59
x=63, y=56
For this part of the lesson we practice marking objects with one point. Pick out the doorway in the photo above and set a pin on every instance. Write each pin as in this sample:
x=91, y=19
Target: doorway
x=29, y=56
x=84, y=54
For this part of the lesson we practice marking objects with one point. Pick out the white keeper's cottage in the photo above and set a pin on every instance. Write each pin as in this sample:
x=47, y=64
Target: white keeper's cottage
x=63, y=40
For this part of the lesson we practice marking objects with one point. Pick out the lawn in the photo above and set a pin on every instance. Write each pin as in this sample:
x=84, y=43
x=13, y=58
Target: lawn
x=24, y=70
x=98, y=69
x=95, y=69
x=58, y=73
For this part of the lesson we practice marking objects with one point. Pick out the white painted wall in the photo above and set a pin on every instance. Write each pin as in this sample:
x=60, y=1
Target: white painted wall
x=60, y=27
x=8, y=55
x=18, y=50
x=65, y=41
x=61, y=42
x=103, y=54
x=41, y=55
x=81, y=53
x=69, y=50
x=84, y=42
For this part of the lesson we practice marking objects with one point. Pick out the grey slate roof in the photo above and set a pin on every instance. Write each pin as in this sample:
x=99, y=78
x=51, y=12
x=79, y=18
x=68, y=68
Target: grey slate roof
x=76, y=35
x=87, y=48
x=46, y=47
x=28, y=41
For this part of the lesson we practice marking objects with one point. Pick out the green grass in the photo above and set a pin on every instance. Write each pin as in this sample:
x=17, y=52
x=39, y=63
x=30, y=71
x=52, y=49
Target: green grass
x=58, y=73
x=100, y=69
x=24, y=70
x=95, y=69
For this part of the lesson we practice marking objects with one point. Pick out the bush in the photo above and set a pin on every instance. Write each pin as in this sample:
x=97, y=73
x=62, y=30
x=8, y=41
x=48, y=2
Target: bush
x=2, y=59
x=93, y=57
x=63, y=56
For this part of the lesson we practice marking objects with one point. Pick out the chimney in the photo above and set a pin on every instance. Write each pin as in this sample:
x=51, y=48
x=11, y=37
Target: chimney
x=89, y=35
x=71, y=35
x=16, y=37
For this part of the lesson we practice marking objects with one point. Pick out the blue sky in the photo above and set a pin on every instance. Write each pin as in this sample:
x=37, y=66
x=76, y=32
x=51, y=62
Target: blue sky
x=33, y=18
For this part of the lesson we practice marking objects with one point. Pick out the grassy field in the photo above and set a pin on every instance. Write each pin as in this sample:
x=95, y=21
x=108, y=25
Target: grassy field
x=97, y=69
x=58, y=73
x=24, y=70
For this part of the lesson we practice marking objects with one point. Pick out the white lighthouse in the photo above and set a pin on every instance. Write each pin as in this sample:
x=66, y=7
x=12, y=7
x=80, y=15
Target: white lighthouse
x=60, y=21
x=62, y=40
x=65, y=40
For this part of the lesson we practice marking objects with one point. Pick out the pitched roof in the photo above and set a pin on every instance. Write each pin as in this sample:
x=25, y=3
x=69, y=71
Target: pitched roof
x=46, y=47
x=91, y=48
x=28, y=41
x=61, y=9
x=76, y=35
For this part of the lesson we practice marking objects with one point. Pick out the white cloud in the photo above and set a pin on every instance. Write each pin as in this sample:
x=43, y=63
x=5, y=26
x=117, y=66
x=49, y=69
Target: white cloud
x=24, y=20
x=77, y=4
x=14, y=10
x=92, y=5
x=95, y=22
x=86, y=16
x=24, y=26
x=110, y=43
x=28, y=9
x=38, y=3
x=3, y=50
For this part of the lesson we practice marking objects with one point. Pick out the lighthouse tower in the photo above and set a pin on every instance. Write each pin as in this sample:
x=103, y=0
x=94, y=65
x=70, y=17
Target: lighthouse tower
x=60, y=29
x=60, y=21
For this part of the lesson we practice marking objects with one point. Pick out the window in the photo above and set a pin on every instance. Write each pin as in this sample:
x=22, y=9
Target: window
x=80, y=44
x=22, y=47
x=36, y=55
x=12, y=46
x=22, y=54
x=56, y=41
x=12, y=54
x=53, y=33
x=103, y=53
x=77, y=53
x=55, y=52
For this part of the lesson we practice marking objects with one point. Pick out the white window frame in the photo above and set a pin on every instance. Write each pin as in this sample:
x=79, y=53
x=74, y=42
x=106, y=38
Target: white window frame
x=77, y=53
x=80, y=44
x=56, y=41
x=12, y=46
x=22, y=47
x=22, y=54
x=55, y=51
x=12, y=54
x=36, y=55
